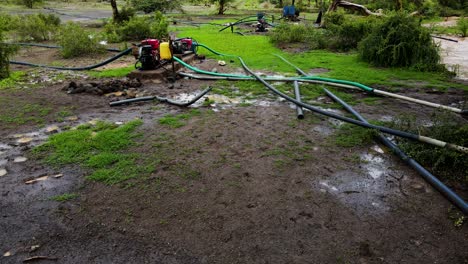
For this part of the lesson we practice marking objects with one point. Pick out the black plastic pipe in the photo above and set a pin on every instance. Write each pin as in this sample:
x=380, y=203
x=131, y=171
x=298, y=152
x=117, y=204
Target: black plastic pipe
x=439, y=37
x=84, y=68
x=300, y=113
x=298, y=70
x=161, y=99
x=49, y=46
x=431, y=179
x=353, y=121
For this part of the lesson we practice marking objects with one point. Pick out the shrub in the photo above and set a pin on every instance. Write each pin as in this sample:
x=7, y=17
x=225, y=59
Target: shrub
x=39, y=27
x=400, y=41
x=443, y=162
x=289, y=33
x=125, y=14
x=349, y=32
x=76, y=41
x=30, y=3
x=5, y=52
x=149, y=6
x=138, y=28
x=341, y=33
x=462, y=25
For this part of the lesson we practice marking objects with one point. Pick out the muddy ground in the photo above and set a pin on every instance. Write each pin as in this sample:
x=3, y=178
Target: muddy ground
x=267, y=188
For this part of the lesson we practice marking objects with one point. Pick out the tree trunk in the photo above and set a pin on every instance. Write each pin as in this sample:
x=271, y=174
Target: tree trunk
x=221, y=8
x=115, y=11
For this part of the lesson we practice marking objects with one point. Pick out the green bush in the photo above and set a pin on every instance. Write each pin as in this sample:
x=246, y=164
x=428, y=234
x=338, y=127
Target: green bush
x=137, y=28
x=462, y=26
x=400, y=41
x=39, y=27
x=149, y=6
x=76, y=41
x=443, y=162
x=349, y=32
x=341, y=33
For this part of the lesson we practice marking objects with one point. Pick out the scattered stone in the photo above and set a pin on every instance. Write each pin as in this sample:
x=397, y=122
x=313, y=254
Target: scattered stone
x=93, y=122
x=7, y=254
x=71, y=118
x=58, y=175
x=132, y=93
x=3, y=172
x=214, y=70
x=119, y=123
x=20, y=159
x=52, y=129
x=24, y=140
x=221, y=63
x=34, y=248
x=417, y=186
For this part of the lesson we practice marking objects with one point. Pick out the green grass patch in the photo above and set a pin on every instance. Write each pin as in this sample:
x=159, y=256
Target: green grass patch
x=176, y=121
x=16, y=113
x=11, y=81
x=117, y=72
x=64, y=197
x=349, y=135
x=99, y=148
x=257, y=51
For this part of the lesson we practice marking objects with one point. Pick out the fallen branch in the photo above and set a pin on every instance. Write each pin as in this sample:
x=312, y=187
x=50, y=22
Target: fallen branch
x=352, y=6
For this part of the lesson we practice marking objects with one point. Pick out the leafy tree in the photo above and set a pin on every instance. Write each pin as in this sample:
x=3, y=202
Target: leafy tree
x=222, y=5
x=30, y=3
x=5, y=52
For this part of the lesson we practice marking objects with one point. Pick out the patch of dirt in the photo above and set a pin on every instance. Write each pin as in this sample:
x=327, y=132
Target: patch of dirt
x=241, y=185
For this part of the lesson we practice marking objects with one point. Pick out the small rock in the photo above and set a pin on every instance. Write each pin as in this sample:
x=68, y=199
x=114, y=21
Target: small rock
x=221, y=63
x=132, y=92
x=417, y=186
x=7, y=254
x=119, y=123
x=214, y=70
x=52, y=129
x=34, y=248
x=24, y=140
x=93, y=122
x=71, y=118
x=20, y=159
x=3, y=172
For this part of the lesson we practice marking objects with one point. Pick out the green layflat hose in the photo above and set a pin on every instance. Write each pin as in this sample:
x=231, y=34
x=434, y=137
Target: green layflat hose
x=355, y=84
x=329, y=81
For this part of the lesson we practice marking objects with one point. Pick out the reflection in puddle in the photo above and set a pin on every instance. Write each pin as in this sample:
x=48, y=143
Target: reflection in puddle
x=365, y=191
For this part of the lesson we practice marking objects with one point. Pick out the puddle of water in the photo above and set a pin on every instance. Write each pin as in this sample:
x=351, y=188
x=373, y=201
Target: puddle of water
x=454, y=56
x=374, y=165
x=364, y=191
x=222, y=101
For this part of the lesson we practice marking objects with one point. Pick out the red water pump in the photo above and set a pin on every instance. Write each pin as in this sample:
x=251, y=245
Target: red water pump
x=149, y=52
